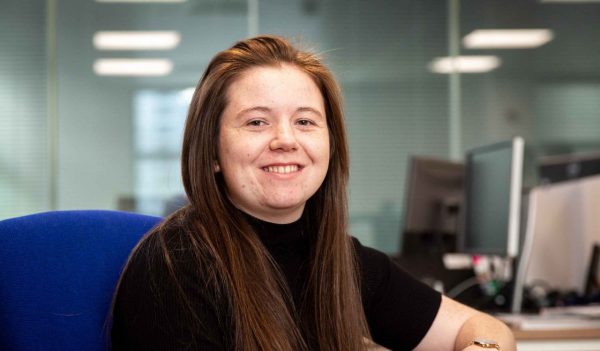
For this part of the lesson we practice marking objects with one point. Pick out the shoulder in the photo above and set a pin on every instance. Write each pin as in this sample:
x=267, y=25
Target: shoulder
x=374, y=267
x=163, y=300
x=369, y=256
x=152, y=250
x=169, y=261
x=379, y=273
x=148, y=271
x=169, y=254
x=399, y=308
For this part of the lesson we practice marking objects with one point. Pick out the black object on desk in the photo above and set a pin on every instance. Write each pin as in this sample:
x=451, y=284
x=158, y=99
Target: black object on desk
x=592, y=285
x=422, y=256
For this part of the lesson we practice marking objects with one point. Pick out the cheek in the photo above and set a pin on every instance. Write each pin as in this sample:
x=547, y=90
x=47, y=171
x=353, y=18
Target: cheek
x=234, y=159
x=230, y=151
x=326, y=149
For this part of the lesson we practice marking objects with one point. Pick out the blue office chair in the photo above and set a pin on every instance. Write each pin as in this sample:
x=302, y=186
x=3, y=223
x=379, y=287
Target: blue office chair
x=58, y=272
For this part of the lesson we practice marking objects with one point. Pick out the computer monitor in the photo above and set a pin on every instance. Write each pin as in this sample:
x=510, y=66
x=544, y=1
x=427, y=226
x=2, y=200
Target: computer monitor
x=562, y=229
x=492, y=205
x=559, y=168
x=433, y=200
x=434, y=190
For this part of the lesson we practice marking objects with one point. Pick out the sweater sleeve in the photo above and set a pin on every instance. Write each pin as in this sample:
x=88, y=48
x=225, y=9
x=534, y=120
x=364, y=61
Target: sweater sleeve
x=399, y=308
x=149, y=314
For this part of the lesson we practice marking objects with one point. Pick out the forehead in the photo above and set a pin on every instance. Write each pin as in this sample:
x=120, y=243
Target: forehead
x=280, y=84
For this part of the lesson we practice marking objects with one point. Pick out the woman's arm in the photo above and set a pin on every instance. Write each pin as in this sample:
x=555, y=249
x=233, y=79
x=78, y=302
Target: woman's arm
x=456, y=326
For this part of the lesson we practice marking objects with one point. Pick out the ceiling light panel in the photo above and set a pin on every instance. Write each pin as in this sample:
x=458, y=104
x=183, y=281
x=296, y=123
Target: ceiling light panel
x=143, y=1
x=464, y=64
x=571, y=1
x=155, y=40
x=507, y=38
x=133, y=67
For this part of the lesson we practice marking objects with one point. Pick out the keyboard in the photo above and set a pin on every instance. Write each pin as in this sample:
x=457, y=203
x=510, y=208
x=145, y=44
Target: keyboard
x=588, y=311
x=549, y=321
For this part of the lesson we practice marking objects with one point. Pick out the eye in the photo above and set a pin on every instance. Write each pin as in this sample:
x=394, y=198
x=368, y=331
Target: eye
x=256, y=123
x=305, y=122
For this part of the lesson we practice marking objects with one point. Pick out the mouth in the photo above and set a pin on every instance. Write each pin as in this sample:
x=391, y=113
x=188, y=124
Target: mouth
x=282, y=169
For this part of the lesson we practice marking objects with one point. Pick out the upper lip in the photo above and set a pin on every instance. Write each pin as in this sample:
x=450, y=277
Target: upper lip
x=279, y=164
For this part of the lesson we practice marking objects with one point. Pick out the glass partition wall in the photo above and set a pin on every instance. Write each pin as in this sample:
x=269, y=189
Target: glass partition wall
x=78, y=131
x=547, y=85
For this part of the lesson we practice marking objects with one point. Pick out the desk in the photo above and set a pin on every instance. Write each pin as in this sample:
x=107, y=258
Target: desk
x=549, y=340
x=558, y=340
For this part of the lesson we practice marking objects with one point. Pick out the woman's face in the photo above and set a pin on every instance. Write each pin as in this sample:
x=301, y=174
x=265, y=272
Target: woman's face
x=273, y=142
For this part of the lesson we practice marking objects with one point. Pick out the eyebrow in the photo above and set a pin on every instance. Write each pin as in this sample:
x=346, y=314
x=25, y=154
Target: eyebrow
x=309, y=109
x=266, y=109
x=251, y=109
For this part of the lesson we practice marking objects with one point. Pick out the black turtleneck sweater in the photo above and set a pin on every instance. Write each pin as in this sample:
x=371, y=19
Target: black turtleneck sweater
x=399, y=309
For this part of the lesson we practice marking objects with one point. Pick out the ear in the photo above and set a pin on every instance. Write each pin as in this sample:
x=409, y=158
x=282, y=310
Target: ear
x=216, y=167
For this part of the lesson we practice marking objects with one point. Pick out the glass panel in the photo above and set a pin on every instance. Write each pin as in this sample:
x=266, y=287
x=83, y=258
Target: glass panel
x=395, y=106
x=119, y=136
x=24, y=172
x=112, y=128
x=159, y=118
x=549, y=93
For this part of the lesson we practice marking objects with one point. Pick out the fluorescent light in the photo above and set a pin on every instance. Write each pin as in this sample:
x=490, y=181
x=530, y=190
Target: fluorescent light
x=155, y=40
x=507, y=38
x=142, y=1
x=464, y=64
x=571, y=1
x=133, y=67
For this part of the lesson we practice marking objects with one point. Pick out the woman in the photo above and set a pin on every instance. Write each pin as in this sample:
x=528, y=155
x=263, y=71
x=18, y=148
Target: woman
x=261, y=258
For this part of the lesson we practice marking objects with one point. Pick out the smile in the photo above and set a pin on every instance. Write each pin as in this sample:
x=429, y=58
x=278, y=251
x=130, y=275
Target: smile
x=281, y=169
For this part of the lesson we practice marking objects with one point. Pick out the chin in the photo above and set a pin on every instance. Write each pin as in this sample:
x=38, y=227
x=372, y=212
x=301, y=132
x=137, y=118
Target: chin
x=286, y=206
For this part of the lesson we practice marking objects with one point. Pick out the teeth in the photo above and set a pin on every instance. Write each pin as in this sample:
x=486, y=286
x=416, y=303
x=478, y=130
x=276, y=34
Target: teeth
x=281, y=169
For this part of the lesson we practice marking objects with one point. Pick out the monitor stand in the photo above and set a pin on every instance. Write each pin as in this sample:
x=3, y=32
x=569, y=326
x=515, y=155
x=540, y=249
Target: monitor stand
x=423, y=257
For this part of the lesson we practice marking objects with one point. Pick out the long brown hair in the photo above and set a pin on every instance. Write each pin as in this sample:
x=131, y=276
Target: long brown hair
x=230, y=255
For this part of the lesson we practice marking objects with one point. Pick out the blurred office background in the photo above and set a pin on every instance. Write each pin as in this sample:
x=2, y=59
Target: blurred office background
x=72, y=138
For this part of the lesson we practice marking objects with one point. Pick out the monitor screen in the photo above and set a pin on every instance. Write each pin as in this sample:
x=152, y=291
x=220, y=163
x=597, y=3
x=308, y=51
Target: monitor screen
x=492, y=199
x=434, y=190
x=559, y=168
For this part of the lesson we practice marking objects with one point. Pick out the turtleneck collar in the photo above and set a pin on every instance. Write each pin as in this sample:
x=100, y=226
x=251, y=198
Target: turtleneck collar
x=273, y=233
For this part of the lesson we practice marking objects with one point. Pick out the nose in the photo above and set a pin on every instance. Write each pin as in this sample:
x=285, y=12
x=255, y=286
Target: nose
x=284, y=138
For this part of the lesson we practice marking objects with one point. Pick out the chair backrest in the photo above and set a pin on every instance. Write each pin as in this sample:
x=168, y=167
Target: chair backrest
x=58, y=272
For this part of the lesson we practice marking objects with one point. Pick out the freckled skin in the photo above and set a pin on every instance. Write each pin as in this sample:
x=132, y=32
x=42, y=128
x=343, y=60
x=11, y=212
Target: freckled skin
x=275, y=117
